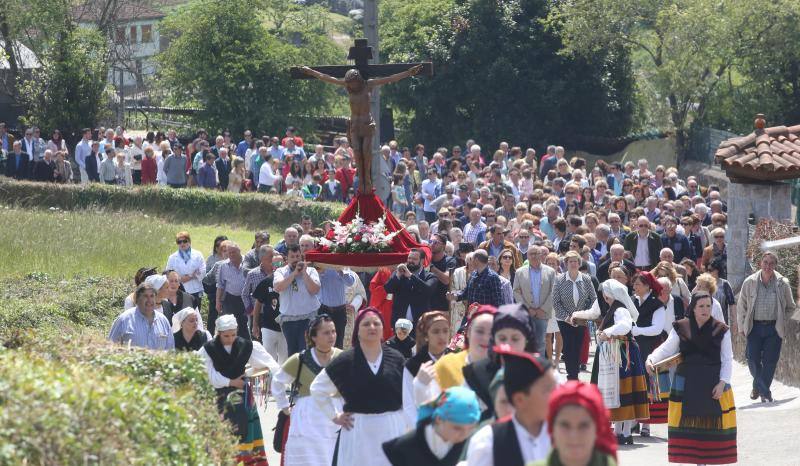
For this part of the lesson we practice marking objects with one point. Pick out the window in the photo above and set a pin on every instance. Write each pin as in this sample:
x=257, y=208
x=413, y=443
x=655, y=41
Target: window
x=147, y=33
x=134, y=35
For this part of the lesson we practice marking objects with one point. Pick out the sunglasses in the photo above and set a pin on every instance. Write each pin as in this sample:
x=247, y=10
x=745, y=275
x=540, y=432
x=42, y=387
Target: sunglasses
x=719, y=237
x=182, y=241
x=505, y=257
x=491, y=216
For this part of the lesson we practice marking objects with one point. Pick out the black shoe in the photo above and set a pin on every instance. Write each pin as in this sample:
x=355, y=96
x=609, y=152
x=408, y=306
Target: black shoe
x=583, y=367
x=636, y=427
x=754, y=394
x=645, y=432
x=627, y=440
x=766, y=398
x=620, y=439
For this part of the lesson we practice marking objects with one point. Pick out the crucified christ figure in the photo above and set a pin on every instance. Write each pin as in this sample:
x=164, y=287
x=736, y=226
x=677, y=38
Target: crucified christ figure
x=361, y=127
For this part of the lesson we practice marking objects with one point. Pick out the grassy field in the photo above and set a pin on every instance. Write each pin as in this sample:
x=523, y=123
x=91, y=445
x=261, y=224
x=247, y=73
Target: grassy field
x=98, y=244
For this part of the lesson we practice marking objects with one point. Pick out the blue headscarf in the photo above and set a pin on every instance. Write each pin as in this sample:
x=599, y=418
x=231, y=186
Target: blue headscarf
x=458, y=405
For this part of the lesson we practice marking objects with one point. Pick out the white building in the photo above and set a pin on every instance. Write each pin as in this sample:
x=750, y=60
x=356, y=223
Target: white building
x=132, y=27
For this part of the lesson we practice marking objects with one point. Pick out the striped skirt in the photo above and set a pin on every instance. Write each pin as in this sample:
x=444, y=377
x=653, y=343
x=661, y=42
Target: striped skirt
x=712, y=441
x=659, y=399
x=238, y=407
x=632, y=384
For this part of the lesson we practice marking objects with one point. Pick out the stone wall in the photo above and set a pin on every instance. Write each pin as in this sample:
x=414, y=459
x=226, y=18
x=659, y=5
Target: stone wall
x=788, y=370
x=770, y=201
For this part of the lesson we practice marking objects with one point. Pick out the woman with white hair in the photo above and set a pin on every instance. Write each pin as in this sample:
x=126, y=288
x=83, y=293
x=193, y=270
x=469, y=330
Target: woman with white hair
x=187, y=328
x=226, y=358
x=616, y=343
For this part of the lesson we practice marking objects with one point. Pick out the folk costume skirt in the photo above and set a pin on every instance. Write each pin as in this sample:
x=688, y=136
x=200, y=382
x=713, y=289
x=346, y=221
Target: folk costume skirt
x=659, y=403
x=312, y=436
x=239, y=407
x=633, y=398
x=363, y=444
x=701, y=441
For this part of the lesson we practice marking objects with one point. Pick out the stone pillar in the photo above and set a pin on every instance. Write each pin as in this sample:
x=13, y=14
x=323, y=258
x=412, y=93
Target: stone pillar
x=761, y=200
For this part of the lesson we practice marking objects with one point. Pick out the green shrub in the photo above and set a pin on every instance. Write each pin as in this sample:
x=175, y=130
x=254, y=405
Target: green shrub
x=117, y=406
x=38, y=302
x=249, y=209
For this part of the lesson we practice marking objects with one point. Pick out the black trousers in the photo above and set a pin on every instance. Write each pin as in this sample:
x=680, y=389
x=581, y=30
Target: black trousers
x=137, y=176
x=339, y=316
x=571, y=351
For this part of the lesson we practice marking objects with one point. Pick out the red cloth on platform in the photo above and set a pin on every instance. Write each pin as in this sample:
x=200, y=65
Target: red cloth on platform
x=379, y=299
x=371, y=209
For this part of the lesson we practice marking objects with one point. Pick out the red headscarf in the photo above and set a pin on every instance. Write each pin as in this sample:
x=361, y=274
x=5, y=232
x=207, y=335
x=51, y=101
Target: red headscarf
x=588, y=397
x=652, y=282
x=361, y=315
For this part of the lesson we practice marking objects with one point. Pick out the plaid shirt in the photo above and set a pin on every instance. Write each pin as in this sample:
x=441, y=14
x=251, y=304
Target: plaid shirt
x=230, y=278
x=472, y=233
x=253, y=279
x=483, y=288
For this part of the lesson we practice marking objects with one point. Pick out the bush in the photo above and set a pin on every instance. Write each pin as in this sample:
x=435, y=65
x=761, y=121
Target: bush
x=85, y=402
x=788, y=258
x=209, y=207
x=37, y=302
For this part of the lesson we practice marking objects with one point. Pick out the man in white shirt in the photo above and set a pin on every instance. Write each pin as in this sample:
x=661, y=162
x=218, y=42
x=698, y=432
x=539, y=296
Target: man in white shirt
x=266, y=177
x=528, y=381
x=431, y=189
x=298, y=285
x=82, y=150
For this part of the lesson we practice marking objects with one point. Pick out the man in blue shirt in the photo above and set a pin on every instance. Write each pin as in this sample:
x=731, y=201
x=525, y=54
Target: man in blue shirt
x=241, y=148
x=142, y=326
x=677, y=242
x=333, y=284
x=483, y=286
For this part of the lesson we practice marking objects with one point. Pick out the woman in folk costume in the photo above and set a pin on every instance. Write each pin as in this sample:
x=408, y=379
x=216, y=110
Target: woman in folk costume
x=627, y=398
x=444, y=425
x=572, y=407
x=187, y=328
x=226, y=357
x=448, y=371
x=369, y=379
x=312, y=436
x=702, y=414
x=433, y=334
x=649, y=333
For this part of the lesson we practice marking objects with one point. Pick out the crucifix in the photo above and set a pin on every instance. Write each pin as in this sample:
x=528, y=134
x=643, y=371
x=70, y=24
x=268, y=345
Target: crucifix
x=359, y=81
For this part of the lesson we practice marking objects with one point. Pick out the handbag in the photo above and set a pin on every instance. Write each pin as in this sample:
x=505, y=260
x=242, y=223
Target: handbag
x=282, y=424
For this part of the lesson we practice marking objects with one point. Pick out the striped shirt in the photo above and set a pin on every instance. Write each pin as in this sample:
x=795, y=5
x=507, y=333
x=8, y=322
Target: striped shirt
x=765, y=306
x=132, y=326
x=251, y=282
x=333, y=285
x=230, y=278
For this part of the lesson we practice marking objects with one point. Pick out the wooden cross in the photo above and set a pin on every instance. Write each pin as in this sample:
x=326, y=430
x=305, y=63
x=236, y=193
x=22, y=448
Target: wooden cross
x=361, y=53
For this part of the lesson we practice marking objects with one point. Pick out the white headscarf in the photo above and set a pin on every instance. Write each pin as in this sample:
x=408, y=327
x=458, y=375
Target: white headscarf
x=156, y=281
x=619, y=292
x=180, y=316
x=226, y=322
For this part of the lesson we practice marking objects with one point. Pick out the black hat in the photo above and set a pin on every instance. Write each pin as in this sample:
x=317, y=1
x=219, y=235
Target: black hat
x=513, y=316
x=521, y=370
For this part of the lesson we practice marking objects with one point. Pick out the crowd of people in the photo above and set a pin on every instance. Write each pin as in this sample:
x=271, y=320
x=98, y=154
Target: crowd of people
x=456, y=355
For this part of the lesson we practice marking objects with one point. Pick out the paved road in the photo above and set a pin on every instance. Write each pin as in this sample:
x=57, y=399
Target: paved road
x=767, y=432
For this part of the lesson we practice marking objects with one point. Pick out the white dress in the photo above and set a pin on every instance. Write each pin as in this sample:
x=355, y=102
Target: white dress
x=363, y=444
x=312, y=436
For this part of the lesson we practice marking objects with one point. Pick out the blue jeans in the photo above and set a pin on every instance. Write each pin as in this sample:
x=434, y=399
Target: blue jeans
x=295, y=334
x=539, y=331
x=763, y=351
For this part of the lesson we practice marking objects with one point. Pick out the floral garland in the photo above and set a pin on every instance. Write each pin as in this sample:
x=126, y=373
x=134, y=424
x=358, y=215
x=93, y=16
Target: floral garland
x=358, y=237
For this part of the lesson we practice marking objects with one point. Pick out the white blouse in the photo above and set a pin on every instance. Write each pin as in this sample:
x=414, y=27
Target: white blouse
x=196, y=267
x=671, y=347
x=259, y=359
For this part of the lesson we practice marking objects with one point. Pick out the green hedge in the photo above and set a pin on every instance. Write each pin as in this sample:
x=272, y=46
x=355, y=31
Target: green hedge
x=79, y=401
x=41, y=304
x=251, y=209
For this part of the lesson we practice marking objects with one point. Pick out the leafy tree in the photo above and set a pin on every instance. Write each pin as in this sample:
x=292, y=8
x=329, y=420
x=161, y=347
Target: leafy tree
x=499, y=75
x=683, y=47
x=69, y=91
x=222, y=58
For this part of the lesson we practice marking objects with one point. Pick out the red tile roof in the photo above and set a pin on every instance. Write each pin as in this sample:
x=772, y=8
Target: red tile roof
x=765, y=154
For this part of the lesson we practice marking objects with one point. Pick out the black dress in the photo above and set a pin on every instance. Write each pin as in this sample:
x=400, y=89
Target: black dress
x=403, y=346
x=479, y=376
x=183, y=300
x=412, y=449
x=197, y=341
x=231, y=365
